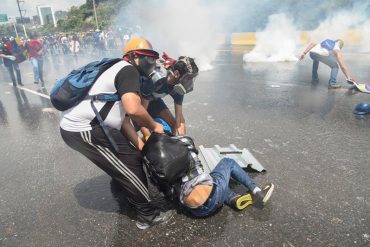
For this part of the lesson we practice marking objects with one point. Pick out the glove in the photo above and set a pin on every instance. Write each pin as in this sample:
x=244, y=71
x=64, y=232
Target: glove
x=13, y=58
x=168, y=61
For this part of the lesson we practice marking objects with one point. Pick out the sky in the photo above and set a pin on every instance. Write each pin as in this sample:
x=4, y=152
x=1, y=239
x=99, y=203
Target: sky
x=10, y=7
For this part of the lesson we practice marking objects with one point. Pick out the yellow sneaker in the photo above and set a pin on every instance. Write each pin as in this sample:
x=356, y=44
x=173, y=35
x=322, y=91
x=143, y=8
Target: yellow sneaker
x=240, y=202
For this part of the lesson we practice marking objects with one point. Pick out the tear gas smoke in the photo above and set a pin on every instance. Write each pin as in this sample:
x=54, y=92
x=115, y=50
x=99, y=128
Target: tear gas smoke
x=352, y=25
x=276, y=43
x=279, y=41
x=178, y=27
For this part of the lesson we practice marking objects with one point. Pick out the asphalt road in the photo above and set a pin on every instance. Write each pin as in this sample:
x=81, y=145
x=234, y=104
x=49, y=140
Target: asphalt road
x=314, y=148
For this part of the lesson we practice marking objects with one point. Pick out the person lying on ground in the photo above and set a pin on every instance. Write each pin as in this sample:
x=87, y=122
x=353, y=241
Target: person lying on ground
x=201, y=193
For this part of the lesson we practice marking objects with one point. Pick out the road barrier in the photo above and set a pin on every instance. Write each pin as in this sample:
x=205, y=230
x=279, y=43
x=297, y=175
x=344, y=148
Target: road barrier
x=249, y=38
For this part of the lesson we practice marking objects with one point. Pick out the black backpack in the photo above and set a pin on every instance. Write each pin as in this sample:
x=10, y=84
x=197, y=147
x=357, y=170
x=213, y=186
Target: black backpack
x=167, y=160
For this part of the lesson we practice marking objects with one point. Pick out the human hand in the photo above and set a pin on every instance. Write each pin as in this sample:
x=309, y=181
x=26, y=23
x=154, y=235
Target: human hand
x=350, y=81
x=302, y=56
x=13, y=58
x=158, y=128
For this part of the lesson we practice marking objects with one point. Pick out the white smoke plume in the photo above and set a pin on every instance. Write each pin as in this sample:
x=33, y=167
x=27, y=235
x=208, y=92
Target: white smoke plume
x=352, y=26
x=276, y=43
x=279, y=41
x=179, y=27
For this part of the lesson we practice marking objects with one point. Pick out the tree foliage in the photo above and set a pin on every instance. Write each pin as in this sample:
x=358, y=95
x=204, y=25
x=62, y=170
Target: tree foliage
x=78, y=19
x=82, y=18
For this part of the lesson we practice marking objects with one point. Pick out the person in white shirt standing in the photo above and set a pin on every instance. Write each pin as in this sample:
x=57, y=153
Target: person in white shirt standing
x=328, y=52
x=74, y=45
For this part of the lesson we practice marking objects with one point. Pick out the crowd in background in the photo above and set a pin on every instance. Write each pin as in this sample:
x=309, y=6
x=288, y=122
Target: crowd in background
x=90, y=42
x=37, y=48
x=94, y=42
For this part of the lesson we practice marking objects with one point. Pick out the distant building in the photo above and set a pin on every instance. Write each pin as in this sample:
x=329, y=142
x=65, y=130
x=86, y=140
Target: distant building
x=26, y=20
x=36, y=20
x=46, y=14
x=61, y=15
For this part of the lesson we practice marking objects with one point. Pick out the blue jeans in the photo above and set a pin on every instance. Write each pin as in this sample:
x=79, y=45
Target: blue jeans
x=225, y=169
x=37, y=64
x=331, y=61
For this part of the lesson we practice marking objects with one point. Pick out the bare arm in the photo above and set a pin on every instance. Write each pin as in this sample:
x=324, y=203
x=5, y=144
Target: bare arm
x=145, y=131
x=180, y=120
x=132, y=105
x=342, y=65
x=129, y=131
x=308, y=48
x=8, y=57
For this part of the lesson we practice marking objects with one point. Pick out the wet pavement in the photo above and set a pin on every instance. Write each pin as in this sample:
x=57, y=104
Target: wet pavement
x=314, y=149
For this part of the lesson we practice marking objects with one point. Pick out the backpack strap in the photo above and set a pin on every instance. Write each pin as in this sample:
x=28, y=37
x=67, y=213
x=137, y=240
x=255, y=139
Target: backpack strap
x=104, y=97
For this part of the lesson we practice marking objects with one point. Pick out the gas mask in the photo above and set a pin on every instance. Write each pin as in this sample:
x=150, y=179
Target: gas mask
x=185, y=85
x=160, y=86
x=146, y=65
x=158, y=75
x=188, y=71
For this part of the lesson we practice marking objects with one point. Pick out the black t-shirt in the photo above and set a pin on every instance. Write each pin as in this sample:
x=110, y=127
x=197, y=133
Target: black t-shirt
x=152, y=91
x=127, y=80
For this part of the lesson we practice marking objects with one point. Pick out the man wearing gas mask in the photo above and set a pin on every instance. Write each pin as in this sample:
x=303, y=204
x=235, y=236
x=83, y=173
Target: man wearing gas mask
x=81, y=131
x=174, y=78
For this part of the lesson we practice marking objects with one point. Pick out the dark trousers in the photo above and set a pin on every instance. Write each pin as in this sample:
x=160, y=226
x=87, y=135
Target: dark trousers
x=125, y=166
x=11, y=66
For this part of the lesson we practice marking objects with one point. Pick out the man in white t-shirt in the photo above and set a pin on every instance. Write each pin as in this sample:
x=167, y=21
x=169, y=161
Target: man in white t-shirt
x=81, y=130
x=328, y=52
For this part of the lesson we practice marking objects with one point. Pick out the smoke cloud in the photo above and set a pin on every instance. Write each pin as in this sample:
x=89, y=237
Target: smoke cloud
x=352, y=25
x=276, y=43
x=179, y=27
x=191, y=27
x=279, y=41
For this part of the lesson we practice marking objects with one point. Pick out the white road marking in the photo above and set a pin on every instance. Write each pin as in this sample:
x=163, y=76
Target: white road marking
x=34, y=92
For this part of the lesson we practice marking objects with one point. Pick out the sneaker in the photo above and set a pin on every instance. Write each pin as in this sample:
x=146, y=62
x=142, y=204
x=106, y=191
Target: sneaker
x=240, y=202
x=261, y=197
x=334, y=86
x=163, y=217
x=36, y=82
